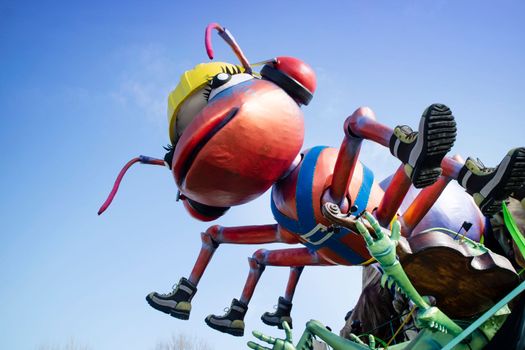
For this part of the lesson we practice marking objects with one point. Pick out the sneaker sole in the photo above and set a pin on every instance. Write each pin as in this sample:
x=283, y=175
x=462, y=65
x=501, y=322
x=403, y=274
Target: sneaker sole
x=181, y=315
x=439, y=135
x=236, y=332
x=512, y=179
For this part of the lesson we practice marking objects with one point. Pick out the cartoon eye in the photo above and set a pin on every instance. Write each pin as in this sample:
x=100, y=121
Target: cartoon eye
x=219, y=80
x=223, y=81
x=200, y=98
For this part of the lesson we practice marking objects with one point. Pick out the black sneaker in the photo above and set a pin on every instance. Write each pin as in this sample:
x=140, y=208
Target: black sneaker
x=490, y=186
x=232, y=322
x=422, y=151
x=284, y=307
x=177, y=303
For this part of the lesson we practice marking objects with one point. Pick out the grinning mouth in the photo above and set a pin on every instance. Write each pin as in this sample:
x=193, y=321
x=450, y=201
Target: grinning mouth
x=202, y=142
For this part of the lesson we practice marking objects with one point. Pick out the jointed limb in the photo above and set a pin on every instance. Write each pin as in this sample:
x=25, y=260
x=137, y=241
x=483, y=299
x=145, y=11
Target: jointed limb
x=294, y=257
x=421, y=205
x=421, y=153
x=346, y=160
x=429, y=195
x=295, y=274
x=393, y=197
x=178, y=302
x=232, y=322
x=216, y=235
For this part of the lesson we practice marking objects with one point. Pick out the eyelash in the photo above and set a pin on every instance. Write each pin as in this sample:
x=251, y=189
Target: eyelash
x=224, y=69
x=207, y=92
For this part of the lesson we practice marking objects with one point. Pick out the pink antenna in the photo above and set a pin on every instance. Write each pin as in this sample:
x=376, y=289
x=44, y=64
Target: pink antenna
x=230, y=40
x=141, y=159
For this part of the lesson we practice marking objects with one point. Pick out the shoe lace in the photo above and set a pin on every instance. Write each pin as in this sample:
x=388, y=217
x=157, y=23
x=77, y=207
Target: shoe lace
x=410, y=134
x=483, y=168
x=174, y=288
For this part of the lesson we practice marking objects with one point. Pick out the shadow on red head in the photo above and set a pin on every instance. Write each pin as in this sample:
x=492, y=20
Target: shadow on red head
x=239, y=133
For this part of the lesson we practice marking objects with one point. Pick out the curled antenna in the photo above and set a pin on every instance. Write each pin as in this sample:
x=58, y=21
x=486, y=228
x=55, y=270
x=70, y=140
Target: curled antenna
x=139, y=159
x=230, y=40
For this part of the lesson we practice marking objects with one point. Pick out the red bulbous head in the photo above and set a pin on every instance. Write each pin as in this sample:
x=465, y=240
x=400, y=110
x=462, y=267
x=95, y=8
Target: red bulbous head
x=243, y=136
x=233, y=134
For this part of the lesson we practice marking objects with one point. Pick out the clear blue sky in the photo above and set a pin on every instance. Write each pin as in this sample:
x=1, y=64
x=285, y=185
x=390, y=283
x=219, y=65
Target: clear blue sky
x=83, y=89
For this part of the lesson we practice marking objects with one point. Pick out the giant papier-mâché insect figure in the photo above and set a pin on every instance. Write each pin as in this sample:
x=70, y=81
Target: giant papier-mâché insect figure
x=236, y=133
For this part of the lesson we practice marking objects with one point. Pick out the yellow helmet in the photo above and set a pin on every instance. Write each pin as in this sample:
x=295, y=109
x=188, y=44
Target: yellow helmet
x=191, y=81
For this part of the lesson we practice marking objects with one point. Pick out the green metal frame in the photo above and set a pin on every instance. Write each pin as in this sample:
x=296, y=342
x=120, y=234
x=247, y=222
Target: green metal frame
x=437, y=330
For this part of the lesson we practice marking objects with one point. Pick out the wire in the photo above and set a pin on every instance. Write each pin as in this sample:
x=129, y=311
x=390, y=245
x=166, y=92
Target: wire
x=383, y=324
x=445, y=230
x=454, y=235
x=401, y=327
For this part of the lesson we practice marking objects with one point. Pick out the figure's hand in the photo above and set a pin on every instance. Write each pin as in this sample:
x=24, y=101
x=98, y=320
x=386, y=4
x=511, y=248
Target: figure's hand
x=383, y=248
x=332, y=212
x=371, y=341
x=278, y=344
